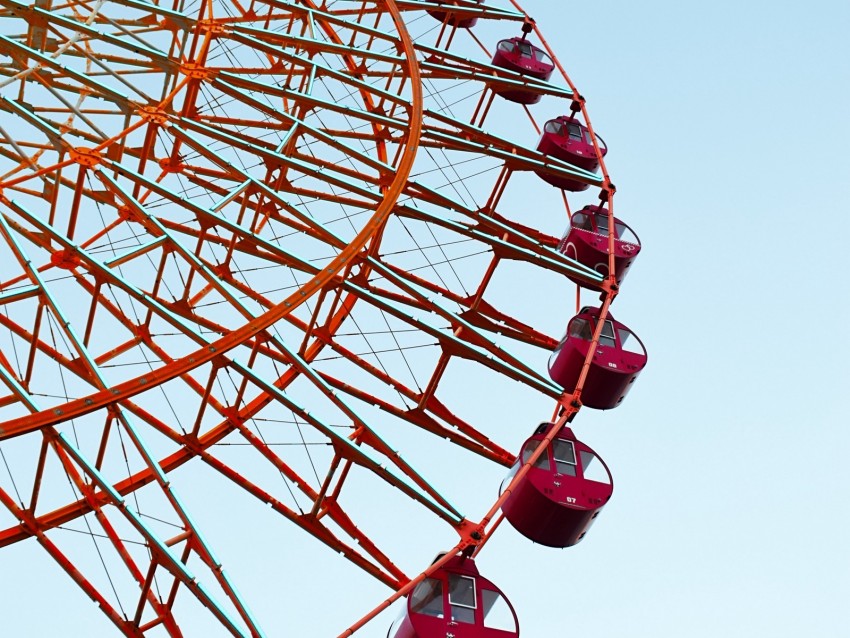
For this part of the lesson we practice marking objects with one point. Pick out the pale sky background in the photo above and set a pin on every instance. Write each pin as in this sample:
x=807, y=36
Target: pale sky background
x=727, y=131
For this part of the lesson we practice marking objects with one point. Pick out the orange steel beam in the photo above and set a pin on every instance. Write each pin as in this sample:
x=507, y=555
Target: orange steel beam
x=127, y=389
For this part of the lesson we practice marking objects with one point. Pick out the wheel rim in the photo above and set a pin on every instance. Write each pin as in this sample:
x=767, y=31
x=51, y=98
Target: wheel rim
x=270, y=340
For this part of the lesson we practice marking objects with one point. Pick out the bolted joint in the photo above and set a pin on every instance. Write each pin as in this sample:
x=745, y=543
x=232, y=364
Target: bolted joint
x=87, y=157
x=610, y=288
x=577, y=103
x=471, y=534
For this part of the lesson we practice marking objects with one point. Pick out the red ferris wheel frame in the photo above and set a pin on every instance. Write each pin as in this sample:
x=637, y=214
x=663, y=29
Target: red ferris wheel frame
x=397, y=123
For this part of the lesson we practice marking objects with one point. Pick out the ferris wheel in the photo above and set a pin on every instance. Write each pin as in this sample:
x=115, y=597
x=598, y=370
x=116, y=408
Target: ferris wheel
x=285, y=246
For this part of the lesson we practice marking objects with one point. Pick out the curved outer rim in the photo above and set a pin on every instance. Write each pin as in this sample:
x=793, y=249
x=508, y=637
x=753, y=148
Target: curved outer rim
x=127, y=389
x=132, y=387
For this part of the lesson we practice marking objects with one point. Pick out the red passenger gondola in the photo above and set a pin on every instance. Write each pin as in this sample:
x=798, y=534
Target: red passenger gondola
x=456, y=20
x=456, y=601
x=557, y=501
x=619, y=359
x=568, y=139
x=517, y=54
x=586, y=241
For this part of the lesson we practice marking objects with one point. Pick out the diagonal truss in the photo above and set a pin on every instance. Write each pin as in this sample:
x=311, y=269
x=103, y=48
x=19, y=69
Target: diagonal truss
x=233, y=224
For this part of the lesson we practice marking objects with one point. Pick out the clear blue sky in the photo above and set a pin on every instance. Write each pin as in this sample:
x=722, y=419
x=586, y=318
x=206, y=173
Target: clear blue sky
x=727, y=131
x=728, y=134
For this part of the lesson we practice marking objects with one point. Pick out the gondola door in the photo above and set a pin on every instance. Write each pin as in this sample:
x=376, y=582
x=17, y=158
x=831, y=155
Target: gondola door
x=462, y=607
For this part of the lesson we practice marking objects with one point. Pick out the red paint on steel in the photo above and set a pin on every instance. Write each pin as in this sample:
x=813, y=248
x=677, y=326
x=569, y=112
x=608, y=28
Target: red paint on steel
x=556, y=503
x=453, y=18
x=586, y=241
x=616, y=360
x=517, y=54
x=456, y=600
x=567, y=139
